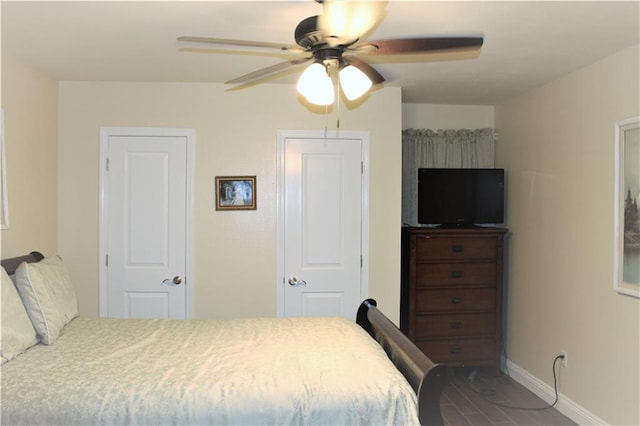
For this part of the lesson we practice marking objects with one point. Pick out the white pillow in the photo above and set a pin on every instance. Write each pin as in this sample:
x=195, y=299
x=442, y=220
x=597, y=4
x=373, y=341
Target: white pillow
x=48, y=295
x=18, y=333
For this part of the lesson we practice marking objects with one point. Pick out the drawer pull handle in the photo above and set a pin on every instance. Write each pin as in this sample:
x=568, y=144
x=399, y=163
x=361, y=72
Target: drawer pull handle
x=455, y=349
x=455, y=324
x=457, y=248
x=456, y=300
x=456, y=274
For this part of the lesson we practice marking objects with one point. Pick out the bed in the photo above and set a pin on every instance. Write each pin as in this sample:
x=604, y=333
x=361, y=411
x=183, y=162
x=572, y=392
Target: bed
x=238, y=371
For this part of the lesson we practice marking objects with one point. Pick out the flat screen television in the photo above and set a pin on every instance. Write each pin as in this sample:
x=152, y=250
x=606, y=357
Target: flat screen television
x=460, y=197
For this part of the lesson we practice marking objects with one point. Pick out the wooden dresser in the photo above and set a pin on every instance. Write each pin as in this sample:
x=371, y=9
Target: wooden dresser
x=451, y=298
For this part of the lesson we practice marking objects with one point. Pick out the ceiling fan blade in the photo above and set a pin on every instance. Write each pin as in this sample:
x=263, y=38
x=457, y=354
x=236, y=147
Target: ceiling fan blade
x=372, y=73
x=264, y=72
x=418, y=45
x=230, y=44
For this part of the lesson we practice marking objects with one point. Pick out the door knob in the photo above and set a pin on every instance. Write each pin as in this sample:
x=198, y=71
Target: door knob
x=177, y=280
x=294, y=282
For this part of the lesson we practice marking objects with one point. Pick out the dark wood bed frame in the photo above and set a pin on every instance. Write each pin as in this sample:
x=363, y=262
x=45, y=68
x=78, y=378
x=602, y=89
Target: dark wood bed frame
x=10, y=265
x=427, y=378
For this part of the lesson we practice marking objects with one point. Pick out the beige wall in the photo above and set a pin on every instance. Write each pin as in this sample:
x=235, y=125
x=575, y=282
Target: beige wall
x=435, y=117
x=236, y=134
x=557, y=144
x=30, y=104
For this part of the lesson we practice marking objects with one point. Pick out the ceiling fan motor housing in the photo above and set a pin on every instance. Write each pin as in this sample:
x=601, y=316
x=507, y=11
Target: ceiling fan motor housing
x=307, y=33
x=329, y=56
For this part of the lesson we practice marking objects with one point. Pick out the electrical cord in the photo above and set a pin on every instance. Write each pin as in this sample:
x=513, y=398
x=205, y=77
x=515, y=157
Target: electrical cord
x=487, y=393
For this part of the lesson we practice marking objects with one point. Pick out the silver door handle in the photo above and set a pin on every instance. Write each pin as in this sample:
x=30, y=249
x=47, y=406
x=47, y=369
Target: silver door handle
x=294, y=282
x=177, y=280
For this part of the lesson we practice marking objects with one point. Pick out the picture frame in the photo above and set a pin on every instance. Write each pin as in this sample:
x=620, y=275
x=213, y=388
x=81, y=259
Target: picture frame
x=4, y=199
x=627, y=212
x=235, y=193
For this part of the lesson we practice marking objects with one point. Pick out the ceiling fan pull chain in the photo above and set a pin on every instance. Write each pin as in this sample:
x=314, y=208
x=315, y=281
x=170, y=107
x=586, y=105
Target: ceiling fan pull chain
x=326, y=121
x=339, y=90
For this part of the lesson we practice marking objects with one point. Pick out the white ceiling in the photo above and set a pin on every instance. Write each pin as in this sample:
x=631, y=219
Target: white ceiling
x=526, y=43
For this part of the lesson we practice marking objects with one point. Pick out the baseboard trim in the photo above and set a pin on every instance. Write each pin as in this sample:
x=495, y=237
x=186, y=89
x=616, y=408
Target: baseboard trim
x=565, y=405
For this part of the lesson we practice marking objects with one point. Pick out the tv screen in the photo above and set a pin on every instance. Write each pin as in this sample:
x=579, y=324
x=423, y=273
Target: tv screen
x=460, y=197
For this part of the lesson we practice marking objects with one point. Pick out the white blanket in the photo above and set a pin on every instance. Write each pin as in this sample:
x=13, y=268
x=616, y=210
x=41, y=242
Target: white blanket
x=250, y=371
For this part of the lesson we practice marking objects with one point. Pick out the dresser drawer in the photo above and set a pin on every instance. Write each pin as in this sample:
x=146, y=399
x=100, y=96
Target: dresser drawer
x=450, y=248
x=467, y=299
x=458, y=350
x=429, y=274
x=453, y=325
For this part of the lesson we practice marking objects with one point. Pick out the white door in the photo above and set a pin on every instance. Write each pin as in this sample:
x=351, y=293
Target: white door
x=322, y=212
x=146, y=225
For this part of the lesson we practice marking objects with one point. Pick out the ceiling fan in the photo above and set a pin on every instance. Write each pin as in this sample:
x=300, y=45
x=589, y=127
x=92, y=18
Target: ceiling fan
x=332, y=43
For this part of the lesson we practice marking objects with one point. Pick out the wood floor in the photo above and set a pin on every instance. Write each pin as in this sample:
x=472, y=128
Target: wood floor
x=477, y=397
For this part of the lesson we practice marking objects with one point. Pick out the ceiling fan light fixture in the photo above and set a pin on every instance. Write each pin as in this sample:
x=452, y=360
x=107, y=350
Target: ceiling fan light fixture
x=354, y=82
x=322, y=97
x=315, y=85
x=310, y=77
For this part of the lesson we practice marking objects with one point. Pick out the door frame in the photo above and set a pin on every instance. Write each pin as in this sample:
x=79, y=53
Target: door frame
x=105, y=134
x=283, y=135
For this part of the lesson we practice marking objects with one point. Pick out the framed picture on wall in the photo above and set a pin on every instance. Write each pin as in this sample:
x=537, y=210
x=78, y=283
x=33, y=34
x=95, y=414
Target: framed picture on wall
x=4, y=200
x=627, y=211
x=235, y=192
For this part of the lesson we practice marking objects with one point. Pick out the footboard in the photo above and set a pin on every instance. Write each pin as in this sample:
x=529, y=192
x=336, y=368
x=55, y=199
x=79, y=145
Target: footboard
x=427, y=378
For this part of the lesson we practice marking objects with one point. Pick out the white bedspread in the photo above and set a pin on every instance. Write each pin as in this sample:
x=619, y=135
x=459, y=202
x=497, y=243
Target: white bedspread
x=252, y=371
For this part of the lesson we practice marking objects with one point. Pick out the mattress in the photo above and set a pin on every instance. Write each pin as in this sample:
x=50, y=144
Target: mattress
x=245, y=371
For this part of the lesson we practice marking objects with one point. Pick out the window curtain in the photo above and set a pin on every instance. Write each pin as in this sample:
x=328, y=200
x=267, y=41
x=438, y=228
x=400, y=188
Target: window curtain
x=440, y=149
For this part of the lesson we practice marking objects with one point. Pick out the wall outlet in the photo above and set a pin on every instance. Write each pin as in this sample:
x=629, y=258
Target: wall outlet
x=564, y=360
